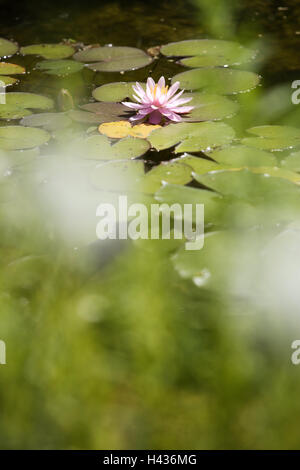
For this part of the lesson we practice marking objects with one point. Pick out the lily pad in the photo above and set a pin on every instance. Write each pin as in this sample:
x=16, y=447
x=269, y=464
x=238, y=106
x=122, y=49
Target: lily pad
x=107, y=111
x=208, y=107
x=213, y=202
x=49, y=51
x=224, y=81
x=120, y=129
x=85, y=117
x=29, y=100
x=113, y=59
x=11, y=111
x=19, y=137
x=198, y=165
x=98, y=147
x=209, y=52
x=7, y=81
x=10, y=69
x=49, y=121
x=59, y=67
x=173, y=172
x=292, y=162
x=18, y=105
x=114, y=92
x=7, y=48
x=250, y=183
x=241, y=155
x=118, y=175
x=14, y=158
x=194, y=136
x=273, y=137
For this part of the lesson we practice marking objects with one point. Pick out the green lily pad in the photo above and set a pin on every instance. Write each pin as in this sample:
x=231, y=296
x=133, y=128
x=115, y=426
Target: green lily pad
x=173, y=172
x=10, y=69
x=84, y=117
x=7, y=48
x=18, y=105
x=209, y=52
x=59, y=67
x=11, y=111
x=250, y=183
x=19, y=137
x=213, y=202
x=107, y=112
x=14, y=158
x=194, y=136
x=224, y=81
x=29, y=100
x=199, y=165
x=7, y=81
x=114, y=92
x=49, y=121
x=49, y=51
x=113, y=59
x=209, y=107
x=117, y=175
x=211, y=135
x=98, y=147
x=273, y=137
x=241, y=155
x=292, y=162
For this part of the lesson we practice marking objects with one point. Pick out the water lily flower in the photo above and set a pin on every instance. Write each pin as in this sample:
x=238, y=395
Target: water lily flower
x=158, y=101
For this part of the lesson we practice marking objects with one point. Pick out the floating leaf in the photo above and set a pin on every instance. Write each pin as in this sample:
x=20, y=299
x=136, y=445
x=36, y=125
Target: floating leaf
x=29, y=100
x=209, y=52
x=107, y=111
x=113, y=59
x=292, y=162
x=11, y=111
x=10, y=69
x=218, y=80
x=118, y=175
x=273, y=137
x=209, y=107
x=210, y=135
x=49, y=121
x=17, y=105
x=59, y=67
x=173, y=172
x=213, y=202
x=199, y=165
x=85, y=117
x=19, y=137
x=14, y=158
x=119, y=129
x=200, y=135
x=113, y=92
x=250, y=183
x=98, y=147
x=7, y=48
x=7, y=81
x=241, y=155
x=49, y=51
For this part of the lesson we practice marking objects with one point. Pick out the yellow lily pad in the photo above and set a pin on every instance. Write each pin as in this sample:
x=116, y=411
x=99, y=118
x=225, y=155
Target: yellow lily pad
x=121, y=129
x=10, y=69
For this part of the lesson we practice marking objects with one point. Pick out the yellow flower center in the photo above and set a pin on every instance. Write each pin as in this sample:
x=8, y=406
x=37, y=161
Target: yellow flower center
x=163, y=90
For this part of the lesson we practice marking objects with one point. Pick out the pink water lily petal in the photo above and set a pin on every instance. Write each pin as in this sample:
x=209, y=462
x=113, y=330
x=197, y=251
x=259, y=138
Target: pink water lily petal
x=132, y=105
x=173, y=90
x=157, y=102
x=183, y=109
x=180, y=101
